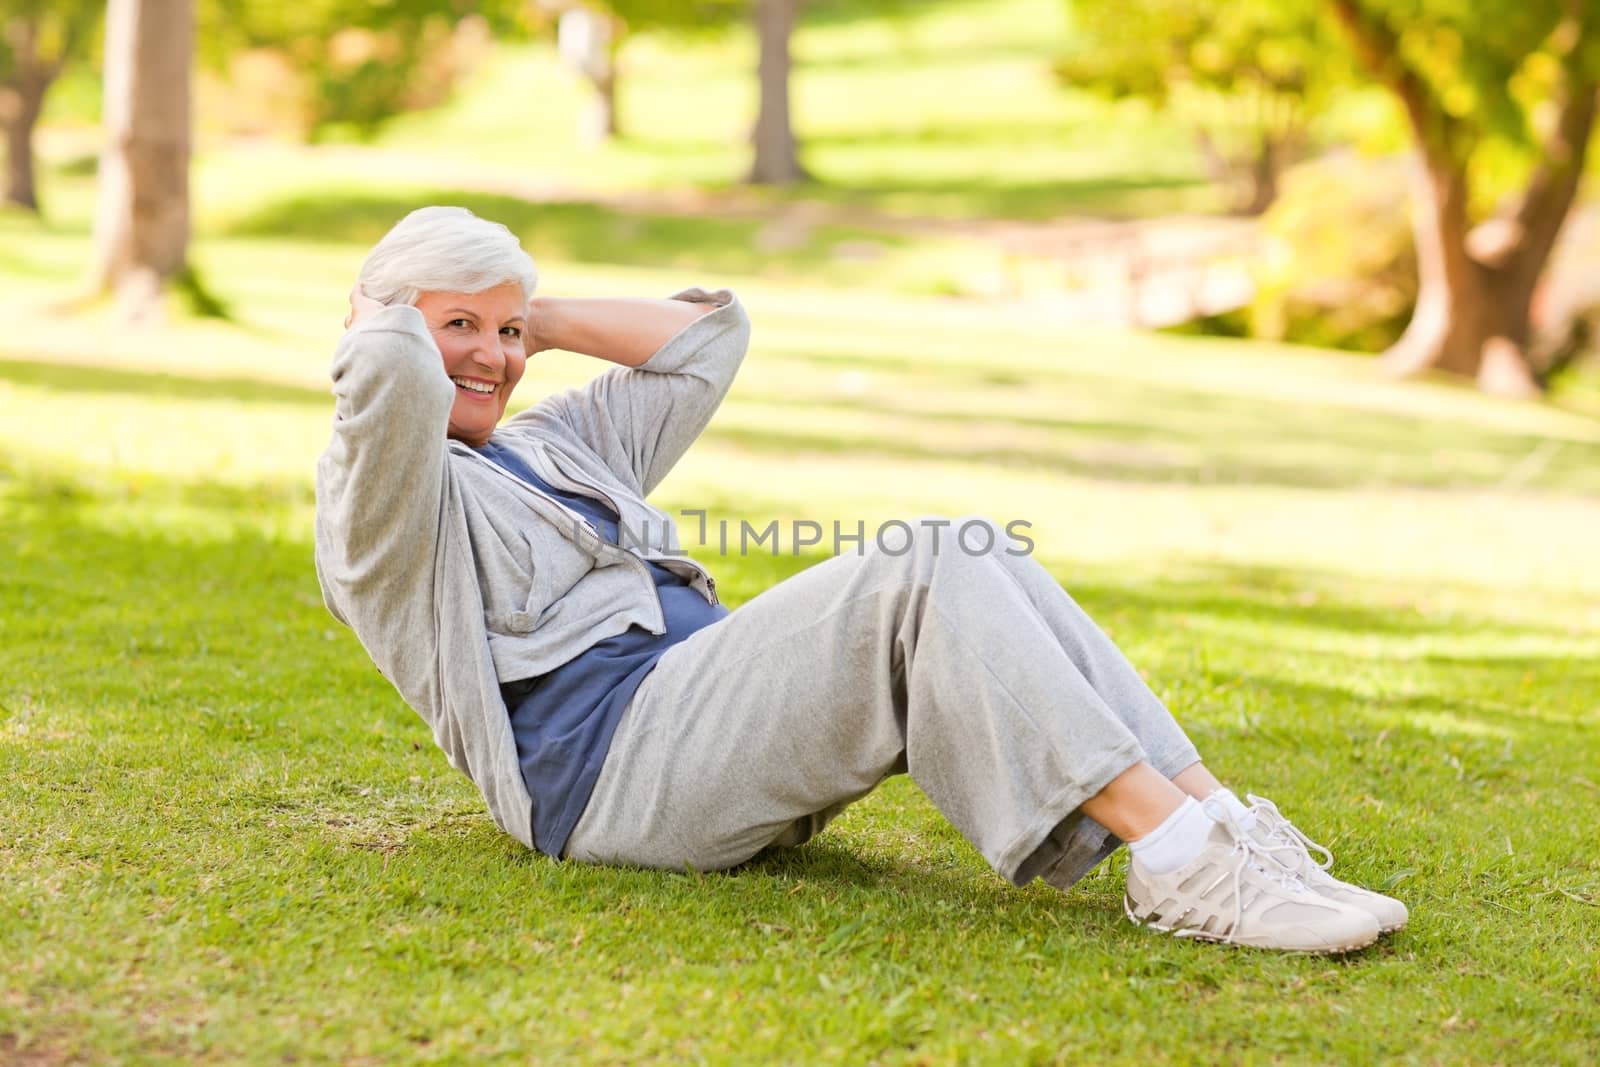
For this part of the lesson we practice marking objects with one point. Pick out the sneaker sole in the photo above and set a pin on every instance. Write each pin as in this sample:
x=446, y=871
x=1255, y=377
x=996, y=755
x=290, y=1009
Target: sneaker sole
x=1189, y=934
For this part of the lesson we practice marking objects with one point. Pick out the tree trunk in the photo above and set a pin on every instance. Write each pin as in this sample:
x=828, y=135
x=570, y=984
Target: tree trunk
x=776, y=157
x=21, y=101
x=1473, y=315
x=602, y=124
x=142, y=217
x=589, y=41
x=1261, y=177
x=1249, y=179
x=1474, y=304
x=20, y=105
x=1475, y=293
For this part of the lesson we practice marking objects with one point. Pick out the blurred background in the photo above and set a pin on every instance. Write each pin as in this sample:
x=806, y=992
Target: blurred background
x=1275, y=319
x=1137, y=245
x=1310, y=171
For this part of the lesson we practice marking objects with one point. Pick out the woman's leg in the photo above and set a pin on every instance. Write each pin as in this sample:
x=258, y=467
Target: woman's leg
x=1197, y=781
x=1170, y=752
x=1134, y=803
x=1101, y=663
x=757, y=728
x=1082, y=841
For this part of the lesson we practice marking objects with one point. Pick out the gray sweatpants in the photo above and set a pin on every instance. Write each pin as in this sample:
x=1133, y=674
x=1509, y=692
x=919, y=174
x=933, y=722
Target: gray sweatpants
x=974, y=671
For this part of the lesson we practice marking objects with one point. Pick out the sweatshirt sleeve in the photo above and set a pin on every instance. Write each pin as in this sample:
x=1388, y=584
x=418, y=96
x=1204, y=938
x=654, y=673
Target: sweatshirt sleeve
x=380, y=491
x=641, y=420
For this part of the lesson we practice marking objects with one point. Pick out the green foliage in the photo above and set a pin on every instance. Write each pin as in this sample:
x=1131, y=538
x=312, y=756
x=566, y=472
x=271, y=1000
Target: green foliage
x=1489, y=62
x=1340, y=270
x=1248, y=77
x=1157, y=49
x=359, y=63
x=1480, y=72
x=58, y=30
x=642, y=15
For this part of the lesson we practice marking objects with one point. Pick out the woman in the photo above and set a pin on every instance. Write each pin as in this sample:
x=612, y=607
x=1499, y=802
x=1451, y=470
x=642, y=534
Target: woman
x=611, y=709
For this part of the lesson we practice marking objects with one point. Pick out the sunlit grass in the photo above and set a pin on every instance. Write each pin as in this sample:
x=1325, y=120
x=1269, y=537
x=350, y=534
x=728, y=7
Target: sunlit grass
x=1114, y=445
x=224, y=839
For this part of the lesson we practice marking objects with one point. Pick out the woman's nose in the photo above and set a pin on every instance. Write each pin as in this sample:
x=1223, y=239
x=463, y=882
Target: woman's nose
x=487, y=354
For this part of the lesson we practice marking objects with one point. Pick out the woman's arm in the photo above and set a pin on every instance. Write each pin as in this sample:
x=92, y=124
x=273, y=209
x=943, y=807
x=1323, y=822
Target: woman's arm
x=380, y=487
x=677, y=358
x=625, y=330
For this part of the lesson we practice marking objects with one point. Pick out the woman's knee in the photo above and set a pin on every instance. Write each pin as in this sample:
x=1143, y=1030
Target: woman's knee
x=959, y=538
x=980, y=535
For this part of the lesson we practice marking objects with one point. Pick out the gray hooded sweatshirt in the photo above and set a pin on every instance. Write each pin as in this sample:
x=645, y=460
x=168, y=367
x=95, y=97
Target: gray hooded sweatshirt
x=454, y=573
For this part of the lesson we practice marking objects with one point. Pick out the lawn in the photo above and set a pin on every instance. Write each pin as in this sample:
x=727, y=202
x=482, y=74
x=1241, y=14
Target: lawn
x=223, y=838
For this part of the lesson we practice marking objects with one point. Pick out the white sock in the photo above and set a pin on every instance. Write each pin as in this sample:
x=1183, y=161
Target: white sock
x=1176, y=842
x=1243, y=815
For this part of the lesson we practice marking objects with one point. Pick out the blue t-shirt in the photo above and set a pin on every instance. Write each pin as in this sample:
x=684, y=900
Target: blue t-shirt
x=563, y=720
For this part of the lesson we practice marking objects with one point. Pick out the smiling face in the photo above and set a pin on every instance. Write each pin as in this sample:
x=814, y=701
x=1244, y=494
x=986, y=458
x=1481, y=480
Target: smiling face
x=480, y=336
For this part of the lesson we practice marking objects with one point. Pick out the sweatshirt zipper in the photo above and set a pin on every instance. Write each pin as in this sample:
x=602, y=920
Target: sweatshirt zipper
x=633, y=561
x=582, y=483
x=570, y=513
x=539, y=449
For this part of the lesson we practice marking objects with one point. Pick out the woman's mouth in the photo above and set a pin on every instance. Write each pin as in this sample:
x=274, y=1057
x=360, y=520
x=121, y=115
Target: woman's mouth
x=474, y=387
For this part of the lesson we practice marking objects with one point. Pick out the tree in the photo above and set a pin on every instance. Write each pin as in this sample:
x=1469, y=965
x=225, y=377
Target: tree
x=589, y=40
x=777, y=159
x=1247, y=77
x=1486, y=88
x=598, y=28
x=36, y=40
x=142, y=217
x=361, y=62
x=591, y=34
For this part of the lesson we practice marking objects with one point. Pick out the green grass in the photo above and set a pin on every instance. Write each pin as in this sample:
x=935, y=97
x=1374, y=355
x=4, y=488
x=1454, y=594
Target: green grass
x=953, y=112
x=224, y=839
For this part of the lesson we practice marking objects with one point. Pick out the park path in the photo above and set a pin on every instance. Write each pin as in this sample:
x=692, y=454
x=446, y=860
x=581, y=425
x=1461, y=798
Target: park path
x=1141, y=272
x=1145, y=272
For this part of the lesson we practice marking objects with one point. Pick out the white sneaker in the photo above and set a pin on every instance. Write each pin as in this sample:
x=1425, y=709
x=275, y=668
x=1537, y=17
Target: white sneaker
x=1284, y=841
x=1235, y=893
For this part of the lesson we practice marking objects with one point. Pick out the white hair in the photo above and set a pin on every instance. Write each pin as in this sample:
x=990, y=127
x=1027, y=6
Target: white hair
x=448, y=250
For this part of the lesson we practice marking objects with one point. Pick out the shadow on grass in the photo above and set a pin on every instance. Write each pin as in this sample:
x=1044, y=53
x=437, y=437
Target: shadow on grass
x=1154, y=432
x=154, y=604
x=120, y=381
x=578, y=231
x=1479, y=702
x=1169, y=455
x=1108, y=196
x=185, y=732
x=1141, y=433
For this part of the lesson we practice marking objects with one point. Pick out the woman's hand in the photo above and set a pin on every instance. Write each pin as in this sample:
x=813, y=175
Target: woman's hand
x=536, y=327
x=361, y=306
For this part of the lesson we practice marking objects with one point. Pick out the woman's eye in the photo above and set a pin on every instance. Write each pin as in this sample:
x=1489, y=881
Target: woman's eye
x=463, y=323
x=512, y=331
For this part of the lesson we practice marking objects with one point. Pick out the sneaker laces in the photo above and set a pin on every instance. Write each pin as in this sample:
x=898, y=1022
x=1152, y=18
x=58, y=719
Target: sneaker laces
x=1253, y=854
x=1292, y=837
